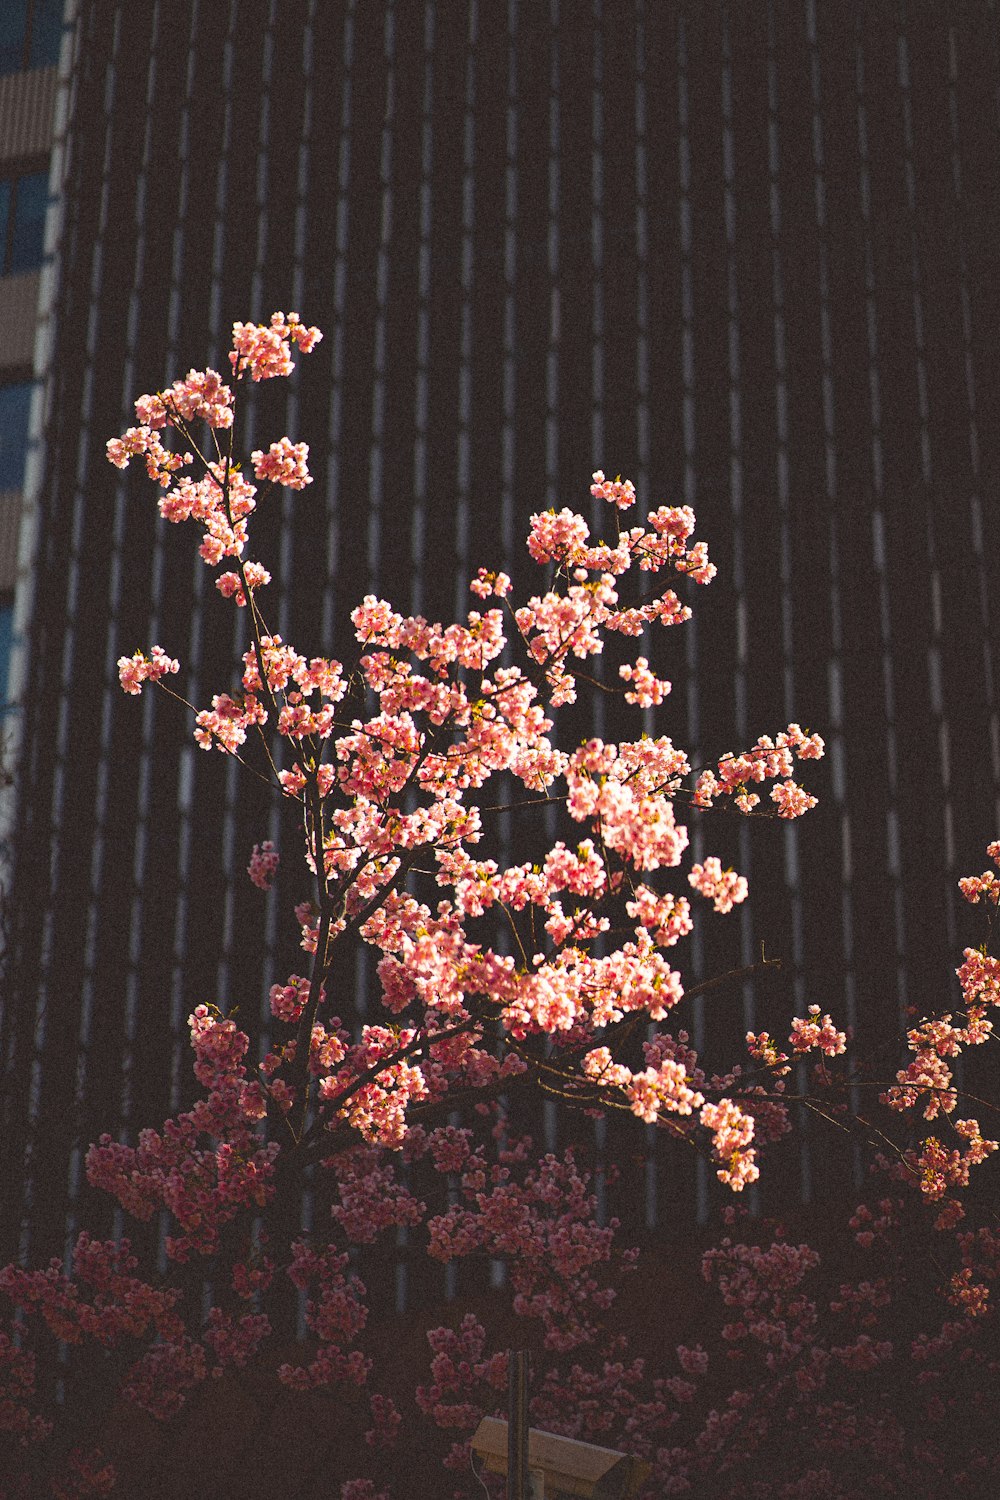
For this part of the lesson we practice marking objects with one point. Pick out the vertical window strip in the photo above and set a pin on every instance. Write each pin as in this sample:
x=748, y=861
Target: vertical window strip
x=232, y=865
x=550, y=1121
x=687, y=297
x=878, y=531
x=780, y=346
x=418, y=519
x=598, y=508
x=508, y=434
x=835, y=739
x=69, y=649
x=641, y=254
x=362, y=967
x=791, y=835
x=935, y=694
x=111, y=690
x=221, y=225
x=975, y=497
x=177, y=239
x=257, y=309
x=292, y=396
x=376, y=451
x=736, y=469
x=337, y=333
x=224, y=970
x=916, y=271
x=597, y=252
x=274, y=828
x=183, y=812
x=735, y=376
x=687, y=359
x=555, y=307
x=288, y=506
x=597, y=422
x=651, y=1154
x=186, y=765
x=463, y=443
x=641, y=468
x=304, y=157
x=702, y=1177
x=20, y=1045
x=421, y=387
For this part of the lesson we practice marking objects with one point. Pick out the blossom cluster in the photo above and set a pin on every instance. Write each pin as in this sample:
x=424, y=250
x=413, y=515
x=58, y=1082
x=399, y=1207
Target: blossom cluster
x=263, y=866
x=985, y=887
x=378, y=789
x=133, y=671
x=265, y=352
x=819, y=1032
x=386, y=757
x=221, y=499
x=768, y=759
x=724, y=888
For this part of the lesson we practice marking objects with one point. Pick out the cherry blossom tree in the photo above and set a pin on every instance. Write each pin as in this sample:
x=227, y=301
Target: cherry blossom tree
x=496, y=981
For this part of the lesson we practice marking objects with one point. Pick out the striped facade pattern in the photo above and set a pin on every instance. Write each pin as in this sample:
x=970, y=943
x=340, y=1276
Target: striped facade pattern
x=19, y=318
x=27, y=104
x=27, y=101
x=10, y=519
x=744, y=254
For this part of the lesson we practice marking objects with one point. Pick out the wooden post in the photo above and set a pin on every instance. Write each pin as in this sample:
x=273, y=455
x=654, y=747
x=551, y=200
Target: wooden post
x=518, y=1487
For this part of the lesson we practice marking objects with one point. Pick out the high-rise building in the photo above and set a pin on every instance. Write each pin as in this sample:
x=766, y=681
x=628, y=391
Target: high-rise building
x=29, y=50
x=745, y=255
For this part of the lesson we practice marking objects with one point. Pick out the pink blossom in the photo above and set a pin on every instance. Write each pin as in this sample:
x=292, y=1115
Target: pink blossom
x=724, y=888
x=732, y=1132
x=263, y=865
x=818, y=1031
x=791, y=799
x=289, y=1000
x=226, y=724
x=265, y=351
x=615, y=491
x=984, y=887
x=230, y=586
x=487, y=583
x=647, y=689
x=133, y=671
x=284, y=464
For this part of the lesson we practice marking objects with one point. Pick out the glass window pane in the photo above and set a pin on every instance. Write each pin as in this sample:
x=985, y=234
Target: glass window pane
x=15, y=406
x=5, y=190
x=6, y=641
x=46, y=32
x=13, y=17
x=31, y=196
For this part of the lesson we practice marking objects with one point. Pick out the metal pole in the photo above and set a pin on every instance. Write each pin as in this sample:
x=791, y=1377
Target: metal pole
x=518, y=1487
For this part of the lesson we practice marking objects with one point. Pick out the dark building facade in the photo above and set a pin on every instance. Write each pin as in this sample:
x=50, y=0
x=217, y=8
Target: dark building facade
x=30, y=36
x=744, y=254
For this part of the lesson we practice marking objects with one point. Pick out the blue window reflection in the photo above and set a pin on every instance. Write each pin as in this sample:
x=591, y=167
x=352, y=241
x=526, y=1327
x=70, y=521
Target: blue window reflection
x=27, y=232
x=6, y=643
x=30, y=33
x=6, y=195
x=46, y=33
x=23, y=204
x=15, y=408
